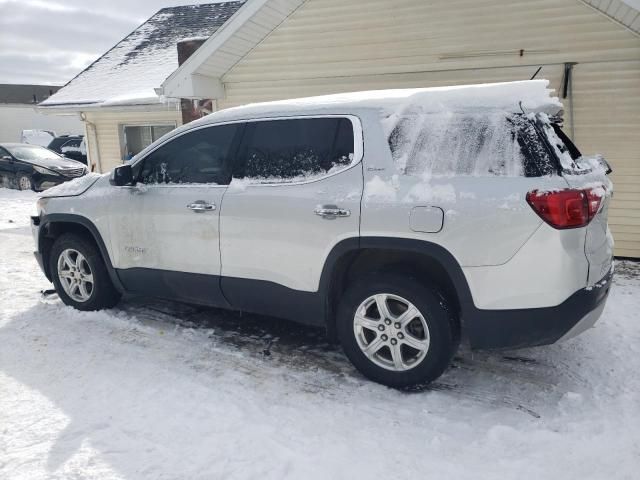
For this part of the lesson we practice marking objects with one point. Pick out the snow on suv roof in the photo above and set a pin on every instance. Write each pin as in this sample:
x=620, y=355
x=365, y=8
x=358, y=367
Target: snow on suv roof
x=128, y=73
x=532, y=95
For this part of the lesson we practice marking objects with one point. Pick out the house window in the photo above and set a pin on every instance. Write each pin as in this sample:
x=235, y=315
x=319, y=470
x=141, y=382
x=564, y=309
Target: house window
x=135, y=138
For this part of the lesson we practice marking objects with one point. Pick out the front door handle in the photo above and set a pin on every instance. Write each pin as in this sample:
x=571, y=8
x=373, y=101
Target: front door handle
x=201, y=206
x=331, y=212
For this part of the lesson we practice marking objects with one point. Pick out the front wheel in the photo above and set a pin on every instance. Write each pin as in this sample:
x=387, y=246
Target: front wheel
x=25, y=183
x=80, y=275
x=396, y=331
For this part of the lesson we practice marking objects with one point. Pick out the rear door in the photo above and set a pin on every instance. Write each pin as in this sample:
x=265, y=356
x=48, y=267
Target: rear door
x=295, y=194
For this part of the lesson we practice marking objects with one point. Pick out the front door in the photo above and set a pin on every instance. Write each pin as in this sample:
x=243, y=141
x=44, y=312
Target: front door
x=166, y=228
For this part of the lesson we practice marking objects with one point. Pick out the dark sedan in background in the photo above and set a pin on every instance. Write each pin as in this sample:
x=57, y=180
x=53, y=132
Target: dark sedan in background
x=30, y=167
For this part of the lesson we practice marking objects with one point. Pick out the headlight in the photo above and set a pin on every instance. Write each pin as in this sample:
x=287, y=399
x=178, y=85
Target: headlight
x=44, y=171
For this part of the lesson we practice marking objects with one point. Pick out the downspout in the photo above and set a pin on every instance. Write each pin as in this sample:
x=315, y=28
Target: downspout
x=94, y=134
x=567, y=91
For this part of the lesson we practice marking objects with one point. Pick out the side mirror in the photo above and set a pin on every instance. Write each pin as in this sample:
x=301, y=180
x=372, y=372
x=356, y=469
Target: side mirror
x=6, y=157
x=122, y=176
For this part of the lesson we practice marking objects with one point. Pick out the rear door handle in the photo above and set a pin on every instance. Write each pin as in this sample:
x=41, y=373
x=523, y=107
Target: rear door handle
x=201, y=206
x=331, y=211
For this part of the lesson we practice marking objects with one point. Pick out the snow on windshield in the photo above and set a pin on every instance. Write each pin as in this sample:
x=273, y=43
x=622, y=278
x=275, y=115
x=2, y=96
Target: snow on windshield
x=32, y=153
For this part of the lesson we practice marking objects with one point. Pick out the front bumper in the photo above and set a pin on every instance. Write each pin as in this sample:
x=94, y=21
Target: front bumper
x=501, y=329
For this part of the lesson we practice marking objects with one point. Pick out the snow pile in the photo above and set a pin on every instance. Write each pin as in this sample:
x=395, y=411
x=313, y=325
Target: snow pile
x=37, y=137
x=378, y=190
x=532, y=95
x=424, y=191
x=238, y=185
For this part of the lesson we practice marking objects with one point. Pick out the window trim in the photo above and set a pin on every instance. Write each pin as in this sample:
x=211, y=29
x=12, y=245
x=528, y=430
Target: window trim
x=358, y=146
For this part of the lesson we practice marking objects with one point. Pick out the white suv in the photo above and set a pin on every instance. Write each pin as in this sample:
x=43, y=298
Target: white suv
x=400, y=220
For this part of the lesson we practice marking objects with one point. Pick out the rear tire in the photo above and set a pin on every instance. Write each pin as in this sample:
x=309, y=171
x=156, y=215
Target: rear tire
x=411, y=342
x=80, y=275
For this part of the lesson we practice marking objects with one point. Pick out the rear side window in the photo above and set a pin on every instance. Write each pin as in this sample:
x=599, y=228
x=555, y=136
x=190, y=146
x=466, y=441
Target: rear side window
x=201, y=156
x=276, y=151
x=479, y=144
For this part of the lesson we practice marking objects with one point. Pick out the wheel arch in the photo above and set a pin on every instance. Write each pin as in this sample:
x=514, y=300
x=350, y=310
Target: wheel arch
x=428, y=261
x=56, y=224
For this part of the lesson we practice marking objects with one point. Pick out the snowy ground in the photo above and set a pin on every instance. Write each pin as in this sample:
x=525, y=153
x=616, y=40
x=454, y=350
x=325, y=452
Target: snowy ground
x=155, y=390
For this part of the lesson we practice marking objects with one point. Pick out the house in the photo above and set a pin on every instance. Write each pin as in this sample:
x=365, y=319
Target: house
x=18, y=112
x=589, y=50
x=115, y=95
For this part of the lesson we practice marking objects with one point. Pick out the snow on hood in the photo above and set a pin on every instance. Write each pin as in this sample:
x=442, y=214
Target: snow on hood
x=74, y=187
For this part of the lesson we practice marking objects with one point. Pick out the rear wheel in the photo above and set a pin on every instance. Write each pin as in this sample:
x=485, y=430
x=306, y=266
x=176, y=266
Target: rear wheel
x=80, y=275
x=25, y=183
x=396, y=331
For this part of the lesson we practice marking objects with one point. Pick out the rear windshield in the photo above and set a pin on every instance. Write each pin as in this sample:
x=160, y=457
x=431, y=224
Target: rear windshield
x=477, y=144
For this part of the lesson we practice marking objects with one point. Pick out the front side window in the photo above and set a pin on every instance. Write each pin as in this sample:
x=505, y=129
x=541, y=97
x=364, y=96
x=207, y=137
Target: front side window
x=279, y=151
x=200, y=156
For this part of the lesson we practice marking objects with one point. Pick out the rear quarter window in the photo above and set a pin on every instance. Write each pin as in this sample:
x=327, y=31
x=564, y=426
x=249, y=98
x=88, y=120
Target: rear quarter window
x=475, y=144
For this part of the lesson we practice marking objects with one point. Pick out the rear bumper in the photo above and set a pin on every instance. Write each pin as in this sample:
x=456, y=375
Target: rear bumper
x=498, y=329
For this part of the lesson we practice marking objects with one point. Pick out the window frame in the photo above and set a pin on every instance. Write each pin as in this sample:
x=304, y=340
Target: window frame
x=123, y=126
x=358, y=145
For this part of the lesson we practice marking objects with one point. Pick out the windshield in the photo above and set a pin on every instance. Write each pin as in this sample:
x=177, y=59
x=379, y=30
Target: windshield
x=32, y=153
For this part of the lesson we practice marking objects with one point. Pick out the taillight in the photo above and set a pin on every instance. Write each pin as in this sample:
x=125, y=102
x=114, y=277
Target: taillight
x=566, y=208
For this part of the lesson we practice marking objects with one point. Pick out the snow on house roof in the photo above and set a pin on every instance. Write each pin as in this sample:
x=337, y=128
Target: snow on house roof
x=128, y=73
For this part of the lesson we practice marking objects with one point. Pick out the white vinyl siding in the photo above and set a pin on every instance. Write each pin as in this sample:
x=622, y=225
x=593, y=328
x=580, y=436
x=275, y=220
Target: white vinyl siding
x=330, y=46
x=109, y=127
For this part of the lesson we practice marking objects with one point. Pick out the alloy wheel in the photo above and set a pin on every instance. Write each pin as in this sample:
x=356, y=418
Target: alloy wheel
x=391, y=332
x=75, y=275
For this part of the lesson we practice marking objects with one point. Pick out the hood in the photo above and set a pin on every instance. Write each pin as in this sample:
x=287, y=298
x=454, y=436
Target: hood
x=56, y=163
x=74, y=187
x=41, y=157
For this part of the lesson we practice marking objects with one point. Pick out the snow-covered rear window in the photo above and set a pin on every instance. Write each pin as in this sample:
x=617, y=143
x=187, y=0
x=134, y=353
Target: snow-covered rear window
x=467, y=143
x=289, y=150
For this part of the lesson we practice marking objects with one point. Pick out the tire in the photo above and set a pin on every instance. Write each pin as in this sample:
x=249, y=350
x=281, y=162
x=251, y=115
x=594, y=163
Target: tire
x=80, y=260
x=437, y=342
x=24, y=182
